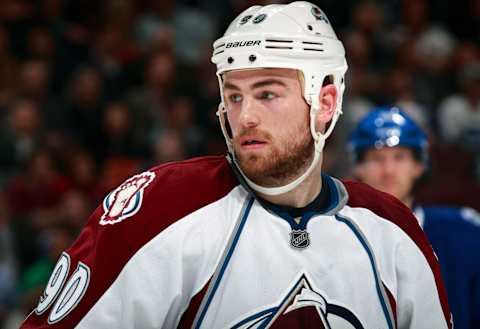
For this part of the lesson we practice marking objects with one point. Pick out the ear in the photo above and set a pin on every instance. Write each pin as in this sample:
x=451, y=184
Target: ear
x=358, y=171
x=328, y=103
x=419, y=170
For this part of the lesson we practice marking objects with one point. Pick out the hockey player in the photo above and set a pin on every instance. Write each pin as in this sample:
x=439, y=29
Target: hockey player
x=260, y=238
x=390, y=152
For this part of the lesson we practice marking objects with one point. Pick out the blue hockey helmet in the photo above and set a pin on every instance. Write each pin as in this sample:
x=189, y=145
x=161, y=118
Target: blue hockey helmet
x=387, y=127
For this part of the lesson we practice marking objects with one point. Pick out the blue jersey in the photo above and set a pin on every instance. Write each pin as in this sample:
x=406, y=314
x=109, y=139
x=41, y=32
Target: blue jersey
x=455, y=236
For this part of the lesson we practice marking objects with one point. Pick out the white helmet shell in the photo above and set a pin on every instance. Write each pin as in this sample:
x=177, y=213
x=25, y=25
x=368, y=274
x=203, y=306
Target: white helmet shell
x=295, y=36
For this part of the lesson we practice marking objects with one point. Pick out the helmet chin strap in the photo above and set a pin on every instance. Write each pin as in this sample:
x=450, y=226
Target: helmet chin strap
x=319, y=143
x=280, y=189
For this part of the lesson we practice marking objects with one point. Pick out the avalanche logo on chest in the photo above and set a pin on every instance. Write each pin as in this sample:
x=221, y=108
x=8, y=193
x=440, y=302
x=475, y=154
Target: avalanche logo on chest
x=126, y=200
x=303, y=307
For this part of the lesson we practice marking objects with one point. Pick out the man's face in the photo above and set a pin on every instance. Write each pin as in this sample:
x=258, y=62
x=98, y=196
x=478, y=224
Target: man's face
x=393, y=170
x=269, y=120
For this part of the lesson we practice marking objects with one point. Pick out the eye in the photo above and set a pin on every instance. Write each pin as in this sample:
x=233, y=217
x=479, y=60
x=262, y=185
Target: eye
x=268, y=95
x=235, y=98
x=373, y=159
x=402, y=156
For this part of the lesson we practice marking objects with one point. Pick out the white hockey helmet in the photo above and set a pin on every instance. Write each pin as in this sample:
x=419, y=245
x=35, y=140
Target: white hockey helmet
x=296, y=36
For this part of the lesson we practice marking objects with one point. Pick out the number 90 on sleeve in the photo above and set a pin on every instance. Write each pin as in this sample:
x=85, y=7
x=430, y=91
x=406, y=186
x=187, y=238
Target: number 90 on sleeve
x=65, y=295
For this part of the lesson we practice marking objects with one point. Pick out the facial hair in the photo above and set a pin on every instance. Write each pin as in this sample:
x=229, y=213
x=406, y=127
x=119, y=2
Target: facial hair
x=284, y=162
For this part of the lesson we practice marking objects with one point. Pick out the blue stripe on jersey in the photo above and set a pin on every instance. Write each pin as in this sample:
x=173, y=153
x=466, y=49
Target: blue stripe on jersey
x=307, y=215
x=380, y=293
x=260, y=316
x=334, y=197
x=213, y=288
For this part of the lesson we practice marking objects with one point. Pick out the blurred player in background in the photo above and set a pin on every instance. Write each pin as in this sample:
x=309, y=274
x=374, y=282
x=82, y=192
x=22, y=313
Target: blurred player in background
x=390, y=154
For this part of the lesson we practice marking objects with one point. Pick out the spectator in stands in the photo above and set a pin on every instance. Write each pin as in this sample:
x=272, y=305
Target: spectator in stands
x=8, y=71
x=117, y=134
x=190, y=27
x=38, y=190
x=83, y=174
x=399, y=90
x=149, y=103
x=459, y=114
x=84, y=107
x=430, y=47
x=20, y=134
x=169, y=146
x=73, y=211
x=8, y=265
x=41, y=43
x=182, y=119
x=34, y=80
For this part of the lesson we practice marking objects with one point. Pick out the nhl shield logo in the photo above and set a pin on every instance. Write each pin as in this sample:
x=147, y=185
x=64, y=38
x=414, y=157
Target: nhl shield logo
x=299, y=239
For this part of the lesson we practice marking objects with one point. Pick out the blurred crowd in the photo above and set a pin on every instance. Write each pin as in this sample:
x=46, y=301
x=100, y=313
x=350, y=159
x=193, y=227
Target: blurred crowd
x=92, y=92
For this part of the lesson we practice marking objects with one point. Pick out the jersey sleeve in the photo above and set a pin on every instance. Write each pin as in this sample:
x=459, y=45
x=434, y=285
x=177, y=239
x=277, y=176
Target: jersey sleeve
x=128, y=257
x=421, y=302
x=92, y=271
x=469, y=231
x=419, y=295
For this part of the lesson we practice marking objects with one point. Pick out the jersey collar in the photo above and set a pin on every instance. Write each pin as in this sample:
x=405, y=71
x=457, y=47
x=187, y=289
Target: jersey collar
x=332, y=198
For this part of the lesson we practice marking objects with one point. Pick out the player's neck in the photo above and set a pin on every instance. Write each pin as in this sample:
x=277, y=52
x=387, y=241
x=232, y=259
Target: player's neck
x=303, y=194
x=408, y=201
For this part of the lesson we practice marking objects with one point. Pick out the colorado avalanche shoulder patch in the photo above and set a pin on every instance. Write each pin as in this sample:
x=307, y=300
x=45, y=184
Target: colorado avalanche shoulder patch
x=126, y=200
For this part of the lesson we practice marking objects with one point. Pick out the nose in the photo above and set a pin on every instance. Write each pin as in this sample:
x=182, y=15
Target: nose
x=390, y=166
x=249, y=113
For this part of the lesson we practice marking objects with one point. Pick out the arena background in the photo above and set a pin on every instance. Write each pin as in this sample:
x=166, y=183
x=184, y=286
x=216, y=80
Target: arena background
x=92, y=92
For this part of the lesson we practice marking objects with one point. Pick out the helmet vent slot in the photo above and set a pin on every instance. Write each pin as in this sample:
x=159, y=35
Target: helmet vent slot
x=312, y=43
x=278, y=44
x=276, y=40
x=219, y=49
x=278, y=47
x=312, y=49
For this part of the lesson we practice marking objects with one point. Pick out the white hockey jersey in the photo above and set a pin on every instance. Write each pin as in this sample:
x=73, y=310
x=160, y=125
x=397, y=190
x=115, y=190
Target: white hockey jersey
x=185, y=245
